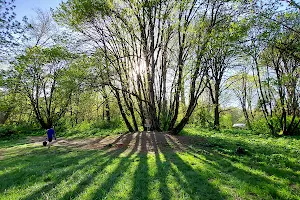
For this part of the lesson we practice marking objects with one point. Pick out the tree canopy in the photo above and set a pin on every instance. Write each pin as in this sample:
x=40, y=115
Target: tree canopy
x=160, y=61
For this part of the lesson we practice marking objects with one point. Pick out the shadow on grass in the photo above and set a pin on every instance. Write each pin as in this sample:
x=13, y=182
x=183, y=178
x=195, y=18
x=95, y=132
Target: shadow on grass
x=54, y=178
x=83, y=184
x=195, y=183
x=105, y=187
x=52, y=168
x=31, y=168
x=162, y=170
x=182, y=171
x=87, y=181
x=141, y=176
x=261, y=172
x=272, y=159
x=12, y=142
x=249, y=180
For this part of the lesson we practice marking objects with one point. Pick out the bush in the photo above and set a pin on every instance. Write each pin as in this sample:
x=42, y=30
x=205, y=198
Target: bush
x=10, y=131
x=276, y=123
x=202, y=116
x=97, y=128
x=103, y=124
x=260, y=126
x=226, y=121
x=6, y=131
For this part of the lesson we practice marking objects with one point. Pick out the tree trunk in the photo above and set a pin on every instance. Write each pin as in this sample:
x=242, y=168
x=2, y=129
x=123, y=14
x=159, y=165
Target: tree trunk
x=246, y=115
x=216, y=105
x=4, y=118
x=107, y=111
x=106, y=107
x=186, y=118
x=182, y=98
x=216, y=116
x=130, y=129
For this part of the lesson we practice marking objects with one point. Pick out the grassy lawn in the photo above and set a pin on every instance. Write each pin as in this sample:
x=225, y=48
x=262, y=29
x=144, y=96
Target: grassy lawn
x=269, y=169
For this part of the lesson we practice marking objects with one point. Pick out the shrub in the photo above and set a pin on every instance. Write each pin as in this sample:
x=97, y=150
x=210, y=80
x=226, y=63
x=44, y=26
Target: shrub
x=6, y=131
x=103, y=124
x=260, y=126
x=226, y=121
x=10, y=131
x=202, y=116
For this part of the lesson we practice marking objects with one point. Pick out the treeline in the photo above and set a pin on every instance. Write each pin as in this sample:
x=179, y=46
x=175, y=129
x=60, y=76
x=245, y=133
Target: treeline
x=167, y=62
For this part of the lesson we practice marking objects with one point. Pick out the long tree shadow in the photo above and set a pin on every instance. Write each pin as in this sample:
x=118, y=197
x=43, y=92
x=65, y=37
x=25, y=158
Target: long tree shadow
x=6, y=164
x=98, y=174
x=83, y=184
x=249, y=174
x=34, y=170
x=16, y=155
x=268, y=158
x=123, y=165
x=274, y=161
x=195, y=183
x=249, y=179
x=88, y=180
x=162, y=170
x=46, y=170
x=7, y=143
x=141, y=177
x=66, y=174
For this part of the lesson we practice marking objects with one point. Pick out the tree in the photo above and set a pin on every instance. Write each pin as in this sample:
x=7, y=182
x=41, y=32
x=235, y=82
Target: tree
x=42, y=29
x=223, y=51
x=243, y=86
x=274, y=52
x=286, y=82
x=46, y=78
x=10, y=29
x=8, y=94
x=150, y=58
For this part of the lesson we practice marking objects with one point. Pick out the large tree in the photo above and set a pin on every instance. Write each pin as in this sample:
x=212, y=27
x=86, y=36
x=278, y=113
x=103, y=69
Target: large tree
x=153, y=52
x=46, y=78
x=222, y=54
x=274, y=51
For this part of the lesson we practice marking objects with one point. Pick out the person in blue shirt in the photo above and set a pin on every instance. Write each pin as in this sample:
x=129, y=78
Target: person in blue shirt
x=50, y=136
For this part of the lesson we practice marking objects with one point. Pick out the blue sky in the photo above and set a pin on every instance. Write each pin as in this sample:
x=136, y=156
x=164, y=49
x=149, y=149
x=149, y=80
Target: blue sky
x=26, y=7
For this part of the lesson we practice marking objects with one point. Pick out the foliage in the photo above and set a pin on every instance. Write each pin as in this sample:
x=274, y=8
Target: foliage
x=136, y=43
x=76, y=12
x=9, y=27
x=260, y=126
x=115, y=123
x=226, y=121
x=45, y=77
x=11, y=132
x=12, y=32
x=154, y=61
x=202, y=116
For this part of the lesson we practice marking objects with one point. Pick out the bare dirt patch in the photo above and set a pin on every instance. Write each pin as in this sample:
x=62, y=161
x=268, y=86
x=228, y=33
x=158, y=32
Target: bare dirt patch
x=140, y=142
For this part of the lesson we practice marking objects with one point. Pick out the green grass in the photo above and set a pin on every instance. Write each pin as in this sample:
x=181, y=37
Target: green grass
x=91, y=132
x=270, y=169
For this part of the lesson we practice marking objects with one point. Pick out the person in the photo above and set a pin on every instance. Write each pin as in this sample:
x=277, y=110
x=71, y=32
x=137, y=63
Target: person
x=50, y=135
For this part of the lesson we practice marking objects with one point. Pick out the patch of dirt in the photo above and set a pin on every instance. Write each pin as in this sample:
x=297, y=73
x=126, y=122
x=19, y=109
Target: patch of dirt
x=139, y=142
